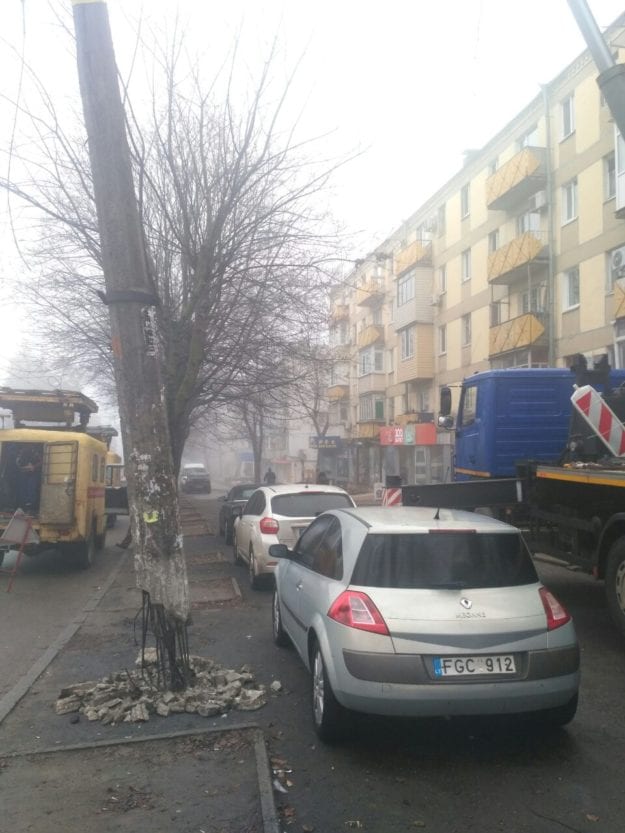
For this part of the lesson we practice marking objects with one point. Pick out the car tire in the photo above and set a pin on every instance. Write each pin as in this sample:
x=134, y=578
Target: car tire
x=615, y=584
x=329, y=717
x=228, y=532
x=235, y=551
x=255, y=580
x=280, y=636
x=558, y=716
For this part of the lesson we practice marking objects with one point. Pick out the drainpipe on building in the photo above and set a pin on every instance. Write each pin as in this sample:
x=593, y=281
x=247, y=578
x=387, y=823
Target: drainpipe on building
x=551, y=294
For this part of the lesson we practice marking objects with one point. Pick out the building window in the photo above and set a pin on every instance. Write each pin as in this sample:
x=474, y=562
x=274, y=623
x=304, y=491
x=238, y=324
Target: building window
x=619, y=337
x=529, y=138
x=609, y=176
x=569, y=201
x=466, y=329
x=615, y=267
x=493, y=241
x=376, y=317
x=495, y=314
x=371, y=408
x=442, y=278
x=492, y=166
x=442, y=339
x=465, y=200
x=530, y=301
x=423, y=397
x=466, y=265
x=529, y=221
x=371, y=360
x=571, y=288
x=567, y=110
x=405, y=289
x=407, y=343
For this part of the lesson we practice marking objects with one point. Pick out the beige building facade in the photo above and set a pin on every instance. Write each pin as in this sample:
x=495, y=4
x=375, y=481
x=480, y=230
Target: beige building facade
x=518, y=260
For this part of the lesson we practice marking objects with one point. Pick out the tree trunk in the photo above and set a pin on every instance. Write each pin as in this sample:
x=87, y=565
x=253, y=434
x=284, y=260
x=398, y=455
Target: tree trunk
x=159, y=558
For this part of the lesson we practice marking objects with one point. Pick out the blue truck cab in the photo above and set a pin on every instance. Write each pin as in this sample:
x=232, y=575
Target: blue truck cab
x=505, y=416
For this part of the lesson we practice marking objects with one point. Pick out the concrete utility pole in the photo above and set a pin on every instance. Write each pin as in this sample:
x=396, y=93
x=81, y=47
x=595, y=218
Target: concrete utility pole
x=159, y=558
x=611, y=78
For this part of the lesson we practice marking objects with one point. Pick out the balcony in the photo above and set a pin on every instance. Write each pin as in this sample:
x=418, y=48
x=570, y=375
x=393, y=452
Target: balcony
x=339, y=312
x=372, y=383
x=341, y=352
x=368, y=430
x=417, y=253
x=336, y=392
x=508, y=263
x=414, y=418
x=524, y=331
x=518, y=179
x=369, y=335
x=370, y=294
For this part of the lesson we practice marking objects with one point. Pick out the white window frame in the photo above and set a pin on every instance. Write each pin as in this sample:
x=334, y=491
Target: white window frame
x=493, y=241
x=569, y=201
x=529, y=138
x=370, y=360
x=406, y=342
x=567, y=116
x=465, y=265
x=442, y=278
x=609, y=176
x=465, y=323
x=465, y=200
x=406, y=288
x=442, y=340
x=570, y=280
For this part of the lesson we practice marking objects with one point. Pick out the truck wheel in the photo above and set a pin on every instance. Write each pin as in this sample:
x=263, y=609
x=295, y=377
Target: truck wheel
x=82, y=553
x=100, y=540
x=615, y=584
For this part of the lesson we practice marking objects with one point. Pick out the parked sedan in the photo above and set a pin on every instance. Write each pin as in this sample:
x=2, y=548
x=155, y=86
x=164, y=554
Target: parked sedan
x=422, y=612
x=277, y=515
x=195, y=478
x=236, y=498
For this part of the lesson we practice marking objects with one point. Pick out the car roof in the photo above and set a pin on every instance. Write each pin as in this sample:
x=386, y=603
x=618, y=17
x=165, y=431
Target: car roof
x=301, y=488
x=404, y=519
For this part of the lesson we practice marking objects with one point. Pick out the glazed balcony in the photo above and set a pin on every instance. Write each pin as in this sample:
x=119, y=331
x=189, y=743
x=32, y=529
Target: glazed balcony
x=418, y=253
x=524, y=331
x=508, y=263
x=518, y=179
x=338, y=392
x=370, y=294
x=369, y=335
x=414, y=418
x=368, y=430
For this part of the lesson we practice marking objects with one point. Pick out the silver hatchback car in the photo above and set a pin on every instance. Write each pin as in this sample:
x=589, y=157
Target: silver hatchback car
x=422, y=612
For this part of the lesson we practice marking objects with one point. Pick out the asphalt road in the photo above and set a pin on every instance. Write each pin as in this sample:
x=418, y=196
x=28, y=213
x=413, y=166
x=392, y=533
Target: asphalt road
x=447, y=775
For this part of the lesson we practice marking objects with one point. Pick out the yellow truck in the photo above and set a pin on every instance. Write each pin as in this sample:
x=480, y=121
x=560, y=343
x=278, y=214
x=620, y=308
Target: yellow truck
x=55, y=473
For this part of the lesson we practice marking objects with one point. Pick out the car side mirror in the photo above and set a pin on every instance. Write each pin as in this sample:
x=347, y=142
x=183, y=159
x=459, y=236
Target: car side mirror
x=280, y=551
x=446, y=421
x=444, y=408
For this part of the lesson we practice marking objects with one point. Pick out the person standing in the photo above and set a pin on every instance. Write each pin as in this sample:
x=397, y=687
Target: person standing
x=28, y=462
x=270, y=477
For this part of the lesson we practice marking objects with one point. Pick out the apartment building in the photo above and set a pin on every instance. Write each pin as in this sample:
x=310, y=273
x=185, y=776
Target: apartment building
x=518, y=260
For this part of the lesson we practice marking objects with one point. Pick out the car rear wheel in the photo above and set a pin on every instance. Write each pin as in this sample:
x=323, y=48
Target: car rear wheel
x=228, y=532
x=235, y=551
x=327, y=713
x=280, y=636
x=255, y=580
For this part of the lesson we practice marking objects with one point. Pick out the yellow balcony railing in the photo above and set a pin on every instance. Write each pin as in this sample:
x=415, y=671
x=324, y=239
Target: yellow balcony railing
x=336, y=392
x=371, y=293
x=419, y=252
x=523, y=331
x=367, y=431
x=515, y=181
x=506, y=263
x=619, y=298
x=369, y=335
x=339, y=312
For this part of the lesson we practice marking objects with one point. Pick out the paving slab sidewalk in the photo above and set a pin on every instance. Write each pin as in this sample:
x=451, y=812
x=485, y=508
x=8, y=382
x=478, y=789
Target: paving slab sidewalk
x=182, y=773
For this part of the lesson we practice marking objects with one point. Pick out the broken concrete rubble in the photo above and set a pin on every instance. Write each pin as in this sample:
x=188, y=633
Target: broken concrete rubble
x=134, y=696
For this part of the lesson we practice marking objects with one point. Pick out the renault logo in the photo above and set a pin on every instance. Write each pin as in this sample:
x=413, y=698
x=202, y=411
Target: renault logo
x=466, y=603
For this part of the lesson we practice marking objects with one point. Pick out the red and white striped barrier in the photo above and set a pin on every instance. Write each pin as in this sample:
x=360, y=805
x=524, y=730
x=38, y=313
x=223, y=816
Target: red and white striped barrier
x=602, y=419
x=391, y=497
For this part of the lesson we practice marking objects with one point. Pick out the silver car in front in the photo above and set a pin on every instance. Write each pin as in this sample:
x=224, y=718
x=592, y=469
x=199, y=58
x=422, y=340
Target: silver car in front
x=423, y=612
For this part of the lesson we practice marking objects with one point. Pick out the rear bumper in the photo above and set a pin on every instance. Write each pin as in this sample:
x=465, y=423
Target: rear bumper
x=401, y=685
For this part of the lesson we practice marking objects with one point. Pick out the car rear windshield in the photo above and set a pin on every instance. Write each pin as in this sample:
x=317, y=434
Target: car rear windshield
x=452, y=560
x=308, y=504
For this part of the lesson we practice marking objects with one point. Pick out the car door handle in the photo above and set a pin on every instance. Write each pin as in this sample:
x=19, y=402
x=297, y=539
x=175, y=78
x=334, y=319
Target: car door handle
x=299, y=585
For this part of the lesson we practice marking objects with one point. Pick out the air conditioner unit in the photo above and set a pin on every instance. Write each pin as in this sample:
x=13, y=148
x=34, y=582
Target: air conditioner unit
x=538, y=201
x=617, y=263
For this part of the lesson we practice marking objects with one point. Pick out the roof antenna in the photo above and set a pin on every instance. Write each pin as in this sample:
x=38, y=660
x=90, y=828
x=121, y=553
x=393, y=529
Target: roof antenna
x=437, y=516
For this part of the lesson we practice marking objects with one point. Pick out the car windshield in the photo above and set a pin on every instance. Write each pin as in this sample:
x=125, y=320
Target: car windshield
x=445, y=560
x=308, y=504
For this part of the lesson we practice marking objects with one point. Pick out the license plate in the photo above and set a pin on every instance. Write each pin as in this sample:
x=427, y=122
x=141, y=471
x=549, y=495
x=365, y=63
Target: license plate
x=474, y=666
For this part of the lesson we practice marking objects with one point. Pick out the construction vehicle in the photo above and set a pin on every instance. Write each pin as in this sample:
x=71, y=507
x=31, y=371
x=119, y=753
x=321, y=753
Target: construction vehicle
x=572, y=507
x=54, y=471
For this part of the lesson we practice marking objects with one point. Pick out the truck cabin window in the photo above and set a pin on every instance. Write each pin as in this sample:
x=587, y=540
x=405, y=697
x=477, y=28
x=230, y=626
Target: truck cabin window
x=469, y=405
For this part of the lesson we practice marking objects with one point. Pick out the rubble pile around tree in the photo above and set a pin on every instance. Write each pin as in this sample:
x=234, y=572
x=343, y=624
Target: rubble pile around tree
x=134, y=696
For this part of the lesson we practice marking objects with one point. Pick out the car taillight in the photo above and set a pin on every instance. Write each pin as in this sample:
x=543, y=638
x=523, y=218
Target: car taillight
x=356, y=610
x=557, y=615
x=269, y=526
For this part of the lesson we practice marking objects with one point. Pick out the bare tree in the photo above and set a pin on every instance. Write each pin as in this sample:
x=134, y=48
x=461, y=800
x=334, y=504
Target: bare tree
x=233, y=235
